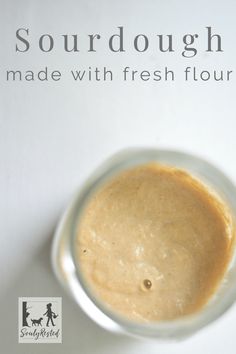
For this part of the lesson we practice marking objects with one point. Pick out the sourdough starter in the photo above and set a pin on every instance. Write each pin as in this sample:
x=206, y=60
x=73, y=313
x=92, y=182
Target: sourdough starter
x=154, y=243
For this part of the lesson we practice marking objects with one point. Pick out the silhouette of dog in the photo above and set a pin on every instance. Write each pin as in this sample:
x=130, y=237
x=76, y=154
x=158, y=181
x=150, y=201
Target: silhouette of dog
x=38, y=322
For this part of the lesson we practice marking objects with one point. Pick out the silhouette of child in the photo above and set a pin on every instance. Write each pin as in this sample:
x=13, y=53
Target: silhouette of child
x=50, y=314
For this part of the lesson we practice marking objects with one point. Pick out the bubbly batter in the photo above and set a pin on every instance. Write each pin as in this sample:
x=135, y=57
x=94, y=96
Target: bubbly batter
x=154, y=243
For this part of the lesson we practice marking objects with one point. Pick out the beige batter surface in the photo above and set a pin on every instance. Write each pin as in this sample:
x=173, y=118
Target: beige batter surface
x=154, y=243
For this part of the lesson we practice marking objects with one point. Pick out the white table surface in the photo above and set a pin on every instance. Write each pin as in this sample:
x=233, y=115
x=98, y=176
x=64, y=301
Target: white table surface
x=53, y=134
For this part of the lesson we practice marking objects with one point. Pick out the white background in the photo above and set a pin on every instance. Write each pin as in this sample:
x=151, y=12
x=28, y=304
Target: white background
x=52, y=135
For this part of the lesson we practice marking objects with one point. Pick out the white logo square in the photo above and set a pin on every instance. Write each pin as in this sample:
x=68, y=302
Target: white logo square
x=40, y=320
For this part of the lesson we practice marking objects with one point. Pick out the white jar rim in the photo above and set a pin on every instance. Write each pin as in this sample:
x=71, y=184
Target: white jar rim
x=67, y=270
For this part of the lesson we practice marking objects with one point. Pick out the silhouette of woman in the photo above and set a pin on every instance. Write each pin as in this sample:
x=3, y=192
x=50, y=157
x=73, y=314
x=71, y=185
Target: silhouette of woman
x=50, y=314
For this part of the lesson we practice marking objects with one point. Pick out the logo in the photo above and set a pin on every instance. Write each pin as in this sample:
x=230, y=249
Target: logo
x=39, y=320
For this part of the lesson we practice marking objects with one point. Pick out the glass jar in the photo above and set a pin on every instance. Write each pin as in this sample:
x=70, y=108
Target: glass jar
x=68, y=272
